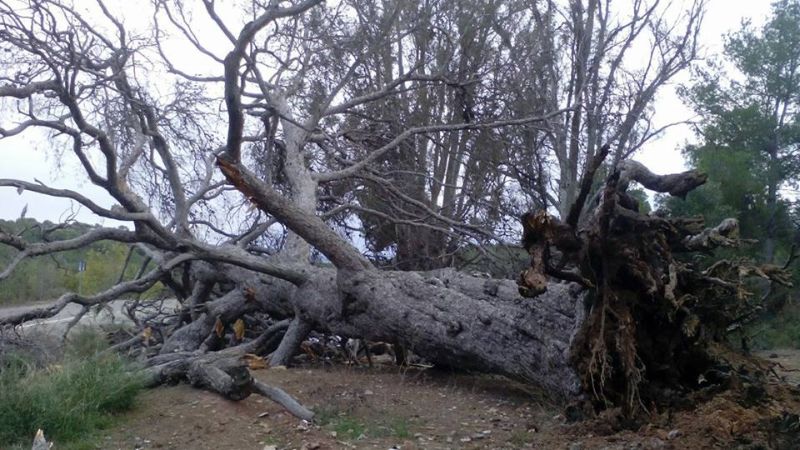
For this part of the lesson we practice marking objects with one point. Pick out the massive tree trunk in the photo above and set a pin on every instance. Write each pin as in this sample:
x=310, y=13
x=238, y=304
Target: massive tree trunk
x=455, y=320
x=449, y=318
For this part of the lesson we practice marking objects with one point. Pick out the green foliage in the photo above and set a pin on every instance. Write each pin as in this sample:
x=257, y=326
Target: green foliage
x=750, y=146
x=46, y=277
x=70, y=401
x=777, y=330
x=641, y=196
x=348, y=427
x=751, y=130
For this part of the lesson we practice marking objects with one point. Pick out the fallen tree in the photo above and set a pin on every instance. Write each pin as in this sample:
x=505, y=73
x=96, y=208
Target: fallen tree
x=629, y=316
x=630, y=320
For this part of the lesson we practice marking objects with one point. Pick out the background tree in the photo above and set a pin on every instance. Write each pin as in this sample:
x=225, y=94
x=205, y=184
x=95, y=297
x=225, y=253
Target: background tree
x=604, y=62
x=750, y=132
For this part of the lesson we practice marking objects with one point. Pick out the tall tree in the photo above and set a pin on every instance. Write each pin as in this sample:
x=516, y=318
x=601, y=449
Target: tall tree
x=592, y=63
x=750, y=130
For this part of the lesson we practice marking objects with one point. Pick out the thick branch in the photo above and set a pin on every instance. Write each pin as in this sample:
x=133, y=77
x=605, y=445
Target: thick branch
x=677, y=184
x=306, y=225
x=113, y=213
x=586, y=186
x=726, y=234
x=28, y=89
x=233, y=99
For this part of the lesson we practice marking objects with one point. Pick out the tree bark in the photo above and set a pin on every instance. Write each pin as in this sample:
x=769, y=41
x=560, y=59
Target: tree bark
x=454, y=320
x=449, y=318
x=295, y=335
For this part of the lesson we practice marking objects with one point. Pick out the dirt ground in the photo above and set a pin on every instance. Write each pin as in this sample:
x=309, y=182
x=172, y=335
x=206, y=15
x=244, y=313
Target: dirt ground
x=787, y=363
x=391, y=408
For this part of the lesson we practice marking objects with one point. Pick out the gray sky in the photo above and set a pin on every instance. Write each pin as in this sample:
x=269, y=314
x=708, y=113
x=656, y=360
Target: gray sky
x=723, y=16
x=26, y=157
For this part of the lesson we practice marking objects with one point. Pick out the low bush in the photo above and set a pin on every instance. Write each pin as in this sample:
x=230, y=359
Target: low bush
x=70, y=400
x=777, y=331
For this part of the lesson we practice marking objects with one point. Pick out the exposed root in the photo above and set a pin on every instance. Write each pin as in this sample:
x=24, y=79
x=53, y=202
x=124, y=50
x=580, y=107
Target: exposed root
x=654, y=319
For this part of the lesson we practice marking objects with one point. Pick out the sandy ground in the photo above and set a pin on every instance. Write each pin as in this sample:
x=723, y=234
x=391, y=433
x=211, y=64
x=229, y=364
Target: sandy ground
x=390, y=408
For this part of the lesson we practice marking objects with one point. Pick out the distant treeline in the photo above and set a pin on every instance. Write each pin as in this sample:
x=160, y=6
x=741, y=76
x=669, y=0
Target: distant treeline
x=46, y=277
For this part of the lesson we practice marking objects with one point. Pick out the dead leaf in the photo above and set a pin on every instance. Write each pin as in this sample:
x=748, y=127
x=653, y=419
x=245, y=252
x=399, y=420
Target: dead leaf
x=147, y=334
x=219, y=328
x=255, y=362
x=238, y=329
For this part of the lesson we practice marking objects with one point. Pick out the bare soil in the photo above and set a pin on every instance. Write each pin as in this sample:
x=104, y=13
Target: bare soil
x=387, y=407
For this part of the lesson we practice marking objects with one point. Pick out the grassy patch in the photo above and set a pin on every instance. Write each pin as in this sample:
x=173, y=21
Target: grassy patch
x=350, y=427
x=70, y=401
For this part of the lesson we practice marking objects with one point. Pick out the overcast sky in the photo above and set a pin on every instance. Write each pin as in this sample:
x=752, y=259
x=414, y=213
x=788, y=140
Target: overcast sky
x=27, y=158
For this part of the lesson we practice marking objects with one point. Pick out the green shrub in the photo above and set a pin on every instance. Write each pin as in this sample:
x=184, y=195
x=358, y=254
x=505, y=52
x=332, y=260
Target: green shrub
x=69, y=401
x=778, y=331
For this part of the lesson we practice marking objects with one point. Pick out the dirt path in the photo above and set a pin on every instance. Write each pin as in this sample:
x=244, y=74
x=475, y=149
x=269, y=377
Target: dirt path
x=386, y=408
x=357, y=408
x=787, y=364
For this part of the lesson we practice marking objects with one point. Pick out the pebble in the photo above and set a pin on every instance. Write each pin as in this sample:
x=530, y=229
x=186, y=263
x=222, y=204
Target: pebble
x=673, y=434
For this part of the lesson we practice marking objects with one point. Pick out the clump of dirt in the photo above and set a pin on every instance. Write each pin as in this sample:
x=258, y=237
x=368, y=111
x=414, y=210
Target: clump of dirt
x=389, y=407
x=763, y=417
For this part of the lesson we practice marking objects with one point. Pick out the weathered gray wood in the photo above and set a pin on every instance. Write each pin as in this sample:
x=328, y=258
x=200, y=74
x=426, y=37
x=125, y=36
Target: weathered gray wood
x=224, y=373
x=295, y=335
x=453, y=319
x=450, y=318
x=40, y=443
x=228, y=377
x=280, y=397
